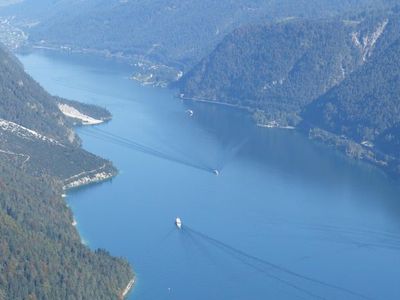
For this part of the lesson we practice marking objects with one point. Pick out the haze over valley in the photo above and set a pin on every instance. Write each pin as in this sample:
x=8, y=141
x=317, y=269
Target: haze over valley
x=199, y=149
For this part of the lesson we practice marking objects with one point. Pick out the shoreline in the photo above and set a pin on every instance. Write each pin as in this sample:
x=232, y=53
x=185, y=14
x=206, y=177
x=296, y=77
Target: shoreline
x=88, y=180
x=129, y=287
x=366, y=153
x=104, y=173
x=73, y=113
x=357, y=151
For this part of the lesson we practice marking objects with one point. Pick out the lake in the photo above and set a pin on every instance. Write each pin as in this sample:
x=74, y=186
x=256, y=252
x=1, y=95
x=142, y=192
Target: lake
x=285, y=219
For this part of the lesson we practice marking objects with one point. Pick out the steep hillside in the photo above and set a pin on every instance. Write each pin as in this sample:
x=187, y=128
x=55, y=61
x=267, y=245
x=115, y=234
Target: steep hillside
x=25, y=102
x=33, y=125
x=277, y=69
x=367, y=102
x=366, y=106
x=41, y=255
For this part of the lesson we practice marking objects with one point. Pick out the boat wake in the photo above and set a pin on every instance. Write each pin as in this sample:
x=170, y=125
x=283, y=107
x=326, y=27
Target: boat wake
x=139, y=147
x=274, y=271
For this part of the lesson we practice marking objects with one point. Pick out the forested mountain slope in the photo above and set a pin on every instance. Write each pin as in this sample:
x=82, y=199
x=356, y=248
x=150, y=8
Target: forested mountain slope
x=340, y=76
x=32, y=125
x=367, y=102
x=366, y=105
x=41, y=255
x=278, y=68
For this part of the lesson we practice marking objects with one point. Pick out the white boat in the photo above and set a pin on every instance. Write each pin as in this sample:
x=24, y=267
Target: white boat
x=216, y=172
x=190, y=112
x=178, y=223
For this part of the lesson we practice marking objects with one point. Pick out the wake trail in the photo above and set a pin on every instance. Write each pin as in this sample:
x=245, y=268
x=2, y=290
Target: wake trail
x=230, y=152
x=278, y=267
x=123, y=142
x=147, y=148
x=260, y=270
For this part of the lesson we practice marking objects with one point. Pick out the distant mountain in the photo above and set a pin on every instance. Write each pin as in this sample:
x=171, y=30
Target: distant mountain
x=41, y=254
x=164, y=36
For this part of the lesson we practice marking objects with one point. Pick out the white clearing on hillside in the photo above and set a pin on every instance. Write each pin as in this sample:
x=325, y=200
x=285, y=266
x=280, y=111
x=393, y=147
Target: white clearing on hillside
x=25, y=133
x=72, y=112
x=367, y=43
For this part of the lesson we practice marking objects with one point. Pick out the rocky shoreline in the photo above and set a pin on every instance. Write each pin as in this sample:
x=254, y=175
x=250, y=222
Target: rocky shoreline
x=88, y=179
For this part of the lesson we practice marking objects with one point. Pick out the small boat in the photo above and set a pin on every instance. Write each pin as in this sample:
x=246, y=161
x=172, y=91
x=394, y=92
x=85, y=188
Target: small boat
x=178, y=223
x=216, y=172
x=190, y=112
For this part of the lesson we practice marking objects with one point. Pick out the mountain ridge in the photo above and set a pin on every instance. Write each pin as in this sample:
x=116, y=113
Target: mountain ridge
x=162, y=38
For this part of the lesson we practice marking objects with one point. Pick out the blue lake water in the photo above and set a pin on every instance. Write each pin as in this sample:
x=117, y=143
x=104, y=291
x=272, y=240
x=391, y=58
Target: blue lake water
x=286, y=218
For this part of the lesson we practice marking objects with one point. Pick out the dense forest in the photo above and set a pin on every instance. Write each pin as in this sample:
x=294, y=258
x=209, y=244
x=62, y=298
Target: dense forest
x=367, y=102
x=277, y=68
x=43, y=257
